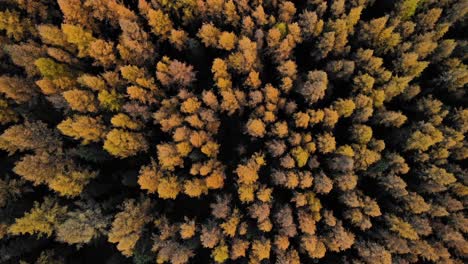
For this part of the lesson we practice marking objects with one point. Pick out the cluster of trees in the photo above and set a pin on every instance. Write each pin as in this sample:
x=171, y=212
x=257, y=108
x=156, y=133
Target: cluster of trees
x=235, y=131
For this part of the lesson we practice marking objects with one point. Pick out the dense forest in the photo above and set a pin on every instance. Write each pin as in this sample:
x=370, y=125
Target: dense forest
x=233, y=131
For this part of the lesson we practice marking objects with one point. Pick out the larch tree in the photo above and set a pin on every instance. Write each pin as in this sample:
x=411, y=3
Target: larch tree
x=42, y=220
x=128, y=225
x=123, y=144
x=300, y=132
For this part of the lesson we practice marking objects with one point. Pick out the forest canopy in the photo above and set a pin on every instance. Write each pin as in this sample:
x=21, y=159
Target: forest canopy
x=233, y=131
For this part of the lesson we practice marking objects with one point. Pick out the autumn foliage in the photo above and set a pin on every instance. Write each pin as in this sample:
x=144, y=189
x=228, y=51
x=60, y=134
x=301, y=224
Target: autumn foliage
x=233, y=131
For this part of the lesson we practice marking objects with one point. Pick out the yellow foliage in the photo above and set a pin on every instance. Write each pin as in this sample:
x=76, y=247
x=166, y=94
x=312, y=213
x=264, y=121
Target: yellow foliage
x=423, y=138
x=314, y=205
x=247, y=173
x=314, y=248
x=180, y=134
x=184, y=148
x=190, y=105
x=379, y=97
x=306, y=222
x=92, y=82
x=230, y=226
x=198, y=138
x=7, y=114
x=246, y=193
x=209, y=98
x=168, y=187
x=168, y=157
x=17, y=89
x=195, y=187
x=52, y=35
x=160, y=23
x=140, y=94
x=14, y=26
x=178, y=38
x=361, y=133
x=301, y=119
x=205, y=168
x=210, y=149
x=110, y=100
x=220, y=69
x=78, y=36
x=261, y=249
x=41, y=220
x=71, y=183
x=280, y=129
x=215, y=180
x=330, y=117
x=51, y=69
x=187, y=229
x=344, y=108
x=301, y=156
x=195, y=121
x=88, y=129
x=269, y=117
x=209, y=35
x=47, y=86
x=265, y=225
x=229, y=103
x=345, y=150
x=123, y=144
x=227, y=40
x=316, y=116
x=403, y=228
x=264, y=194
x=128, y=225
x=149, y=177
x=124, y=121
x=103, y=52
x=239, y=248
x=310, y=147
x=220, y=253
x=80, y=100
x=224, y=84
x=253, y=80
x=256, y=128
x=281, y=242
x=243, y=228
x=292, y=180
x=326, y=143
